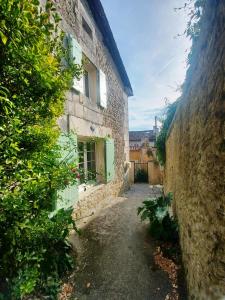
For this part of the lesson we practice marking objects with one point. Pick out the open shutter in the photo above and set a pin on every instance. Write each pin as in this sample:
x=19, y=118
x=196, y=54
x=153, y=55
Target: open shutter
x=76, y=55
x=109, y=159
x=68, y=197
x=102, y=89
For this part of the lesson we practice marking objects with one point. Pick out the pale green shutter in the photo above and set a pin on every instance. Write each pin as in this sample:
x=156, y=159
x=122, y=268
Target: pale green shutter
x=101, y=89
x=109, y=159
x=76, y=56
x=68, y=197
x=98, y=86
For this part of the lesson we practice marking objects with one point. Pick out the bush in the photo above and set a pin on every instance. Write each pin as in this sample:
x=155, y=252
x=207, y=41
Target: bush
x=33, y=247
x=161, y=139
x=162, y=225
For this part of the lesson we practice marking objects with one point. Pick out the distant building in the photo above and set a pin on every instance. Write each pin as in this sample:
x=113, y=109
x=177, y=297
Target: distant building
x=138, y=138
x=144, y=163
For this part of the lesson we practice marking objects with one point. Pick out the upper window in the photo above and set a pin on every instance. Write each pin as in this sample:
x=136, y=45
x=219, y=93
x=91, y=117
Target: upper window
x=87, y=28
x=86, y=84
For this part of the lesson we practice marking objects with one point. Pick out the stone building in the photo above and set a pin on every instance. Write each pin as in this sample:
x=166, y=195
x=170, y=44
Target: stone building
x=96, y=107
x=143, y=157
x=138, y=138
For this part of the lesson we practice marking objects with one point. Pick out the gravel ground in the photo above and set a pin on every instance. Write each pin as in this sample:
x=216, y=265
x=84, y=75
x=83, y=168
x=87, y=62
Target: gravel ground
x=115, y=255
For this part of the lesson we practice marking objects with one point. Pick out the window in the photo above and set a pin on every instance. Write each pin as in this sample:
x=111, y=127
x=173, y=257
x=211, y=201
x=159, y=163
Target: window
x=87, y=28
x=102, y=89
x=86, y=84
x=90, y=81
x=87, y=162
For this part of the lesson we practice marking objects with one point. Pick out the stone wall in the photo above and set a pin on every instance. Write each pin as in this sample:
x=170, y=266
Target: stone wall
x=85, y=116
x=195, y=167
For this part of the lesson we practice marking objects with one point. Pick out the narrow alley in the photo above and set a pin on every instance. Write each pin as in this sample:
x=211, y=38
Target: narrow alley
x=116, y=257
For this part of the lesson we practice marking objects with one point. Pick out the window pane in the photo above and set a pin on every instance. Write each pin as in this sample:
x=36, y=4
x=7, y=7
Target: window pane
x=90, y=146
x=80, y=146
x=81, y=152
x=86, y=84
x=86, y=27
x=90, y=156
x=91, y=170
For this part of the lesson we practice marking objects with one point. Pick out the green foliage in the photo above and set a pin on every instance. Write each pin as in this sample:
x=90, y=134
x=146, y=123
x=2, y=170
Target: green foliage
x=161, y=139
x=33, y=80
x=195, y=10
x=162, y=225
x=194, y=26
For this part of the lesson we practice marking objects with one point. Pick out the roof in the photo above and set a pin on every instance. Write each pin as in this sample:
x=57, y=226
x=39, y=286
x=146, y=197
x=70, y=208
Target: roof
x=109, y=41
x=140, y=135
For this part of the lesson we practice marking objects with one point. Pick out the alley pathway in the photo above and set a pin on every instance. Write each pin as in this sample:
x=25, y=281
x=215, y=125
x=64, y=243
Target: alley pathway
x=116, y=258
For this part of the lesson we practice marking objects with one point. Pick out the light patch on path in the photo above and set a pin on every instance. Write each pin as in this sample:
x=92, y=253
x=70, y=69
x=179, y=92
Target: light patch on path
x=115, y=255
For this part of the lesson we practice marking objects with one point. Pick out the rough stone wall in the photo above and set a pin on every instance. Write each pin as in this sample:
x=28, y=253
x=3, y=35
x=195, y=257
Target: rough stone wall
x=85, y=114
x=195, y=167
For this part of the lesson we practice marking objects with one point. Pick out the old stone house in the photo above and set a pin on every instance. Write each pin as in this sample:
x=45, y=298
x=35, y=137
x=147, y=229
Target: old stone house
x=144, y=163
x=96, y=107
x=140, y=142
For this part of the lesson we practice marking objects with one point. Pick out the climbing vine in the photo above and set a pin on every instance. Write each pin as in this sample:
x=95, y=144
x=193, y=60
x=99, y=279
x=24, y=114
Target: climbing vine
x=195, y=10
x=33, y=80
x=161, y=139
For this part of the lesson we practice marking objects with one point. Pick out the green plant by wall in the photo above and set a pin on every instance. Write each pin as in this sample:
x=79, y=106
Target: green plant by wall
x=33, y=80
x=162, y=225
x=161, y=139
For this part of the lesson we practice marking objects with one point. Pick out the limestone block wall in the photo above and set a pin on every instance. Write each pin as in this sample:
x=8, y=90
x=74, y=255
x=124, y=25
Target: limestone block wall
x=195, y=167
x=154, y=173
x=85, y=116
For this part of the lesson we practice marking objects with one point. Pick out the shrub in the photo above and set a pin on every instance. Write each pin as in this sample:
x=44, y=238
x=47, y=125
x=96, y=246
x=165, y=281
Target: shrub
x=33, y=246
x=161, y=139
x=162, y=225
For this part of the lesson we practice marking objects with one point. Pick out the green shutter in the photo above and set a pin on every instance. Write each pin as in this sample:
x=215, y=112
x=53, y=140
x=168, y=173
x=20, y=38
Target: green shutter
x=68, y=197
x=101, y=89
x=76, y=56
x=109, y=159
x=98, y=86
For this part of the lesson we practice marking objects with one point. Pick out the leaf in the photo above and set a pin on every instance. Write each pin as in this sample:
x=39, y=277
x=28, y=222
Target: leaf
x=161, y=212
x=3, y=37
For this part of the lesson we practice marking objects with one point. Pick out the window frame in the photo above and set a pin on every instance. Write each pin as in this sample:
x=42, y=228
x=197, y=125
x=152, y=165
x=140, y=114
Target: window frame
x=86, y=84
x=87, y=28
x=85, y=161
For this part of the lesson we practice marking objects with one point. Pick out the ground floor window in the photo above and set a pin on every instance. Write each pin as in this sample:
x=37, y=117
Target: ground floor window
x=87, y=161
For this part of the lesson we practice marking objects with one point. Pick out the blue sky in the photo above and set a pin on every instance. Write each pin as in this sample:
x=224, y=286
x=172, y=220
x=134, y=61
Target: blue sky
x=155, y=58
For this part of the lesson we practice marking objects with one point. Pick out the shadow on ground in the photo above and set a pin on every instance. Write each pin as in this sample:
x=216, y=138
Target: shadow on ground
x=116, y=256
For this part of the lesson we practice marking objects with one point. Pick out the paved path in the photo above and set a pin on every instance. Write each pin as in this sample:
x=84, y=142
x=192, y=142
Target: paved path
x=117, y=258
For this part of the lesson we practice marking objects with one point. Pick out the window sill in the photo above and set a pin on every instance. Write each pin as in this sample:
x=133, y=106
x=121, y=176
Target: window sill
x=90, y=188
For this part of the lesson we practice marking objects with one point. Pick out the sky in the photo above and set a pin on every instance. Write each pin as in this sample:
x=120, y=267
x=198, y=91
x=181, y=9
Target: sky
x=146, y=33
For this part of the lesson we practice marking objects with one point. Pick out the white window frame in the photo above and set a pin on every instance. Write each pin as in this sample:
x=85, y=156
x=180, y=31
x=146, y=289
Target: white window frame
x=84, y=186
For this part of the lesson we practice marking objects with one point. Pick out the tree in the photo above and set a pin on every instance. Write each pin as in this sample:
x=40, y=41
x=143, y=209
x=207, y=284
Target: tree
x=33, y=247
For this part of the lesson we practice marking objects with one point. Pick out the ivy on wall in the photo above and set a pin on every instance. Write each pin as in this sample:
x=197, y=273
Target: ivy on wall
x=195, y=11
x=161, y=139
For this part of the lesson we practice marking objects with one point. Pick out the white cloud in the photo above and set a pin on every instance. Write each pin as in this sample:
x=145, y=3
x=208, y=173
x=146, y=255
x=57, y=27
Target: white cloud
x=145, y=32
